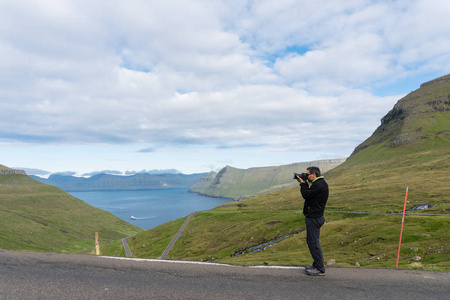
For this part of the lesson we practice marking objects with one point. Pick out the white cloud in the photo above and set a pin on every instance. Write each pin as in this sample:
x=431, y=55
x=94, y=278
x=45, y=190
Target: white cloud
x=270, y=76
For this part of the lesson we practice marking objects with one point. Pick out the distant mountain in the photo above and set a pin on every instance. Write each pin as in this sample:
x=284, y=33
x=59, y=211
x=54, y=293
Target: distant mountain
x=241, y=184
x=112, y=172
x=128, y=173
x=114, y=182
x=154, y=171
x=42, y=173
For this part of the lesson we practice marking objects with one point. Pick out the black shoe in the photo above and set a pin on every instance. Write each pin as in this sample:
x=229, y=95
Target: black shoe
x=314, y=272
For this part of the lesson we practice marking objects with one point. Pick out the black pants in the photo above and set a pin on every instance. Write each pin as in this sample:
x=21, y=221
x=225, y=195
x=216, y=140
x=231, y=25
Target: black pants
x=312, y=239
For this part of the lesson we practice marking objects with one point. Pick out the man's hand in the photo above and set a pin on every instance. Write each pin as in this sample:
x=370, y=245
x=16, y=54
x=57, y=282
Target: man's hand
x=299, y=179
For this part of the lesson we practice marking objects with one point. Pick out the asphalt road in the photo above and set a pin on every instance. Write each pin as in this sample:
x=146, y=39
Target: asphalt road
x=26, y=275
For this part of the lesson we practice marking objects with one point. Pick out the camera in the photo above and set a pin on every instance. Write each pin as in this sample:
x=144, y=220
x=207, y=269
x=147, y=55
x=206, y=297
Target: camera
x=303, y=176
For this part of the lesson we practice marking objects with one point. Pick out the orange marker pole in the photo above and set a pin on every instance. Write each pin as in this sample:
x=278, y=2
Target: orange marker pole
x=97, y=248
x=401, y=231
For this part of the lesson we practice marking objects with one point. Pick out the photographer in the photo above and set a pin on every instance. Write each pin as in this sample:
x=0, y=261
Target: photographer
x=316, y=197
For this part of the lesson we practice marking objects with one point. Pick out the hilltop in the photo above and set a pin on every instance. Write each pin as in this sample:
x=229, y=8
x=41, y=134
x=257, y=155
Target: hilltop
x=40, y=217
x=411, y=148
x=239, y=184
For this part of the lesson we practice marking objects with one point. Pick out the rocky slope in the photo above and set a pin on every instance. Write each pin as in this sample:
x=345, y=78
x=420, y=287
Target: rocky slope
x=419, y=121
x=12, y=172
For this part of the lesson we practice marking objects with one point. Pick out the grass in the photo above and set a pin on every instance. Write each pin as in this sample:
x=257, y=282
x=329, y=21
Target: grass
x=39, y=217
x=222, y=234
x=370, y=240
x=381, y=186
x=152, y=243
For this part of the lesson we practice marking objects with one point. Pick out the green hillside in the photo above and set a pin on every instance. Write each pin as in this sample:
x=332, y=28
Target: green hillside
x=418, y=122
x=410, y=148
x=39, y=217
x=239, y=184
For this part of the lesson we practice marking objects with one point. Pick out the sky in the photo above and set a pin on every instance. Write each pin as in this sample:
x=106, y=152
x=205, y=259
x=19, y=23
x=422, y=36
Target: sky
x=195, y=86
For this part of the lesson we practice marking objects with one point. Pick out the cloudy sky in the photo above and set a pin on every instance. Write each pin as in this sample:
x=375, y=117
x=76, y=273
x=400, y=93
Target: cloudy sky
x=198, y=85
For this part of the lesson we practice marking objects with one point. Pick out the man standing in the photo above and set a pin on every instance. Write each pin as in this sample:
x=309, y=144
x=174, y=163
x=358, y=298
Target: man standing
x=316, y=197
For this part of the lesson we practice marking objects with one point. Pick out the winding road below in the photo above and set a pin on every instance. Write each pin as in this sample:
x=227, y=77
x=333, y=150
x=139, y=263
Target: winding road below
x=27, y=275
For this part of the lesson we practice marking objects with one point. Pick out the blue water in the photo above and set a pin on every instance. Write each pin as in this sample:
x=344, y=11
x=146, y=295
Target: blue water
x=150, y=207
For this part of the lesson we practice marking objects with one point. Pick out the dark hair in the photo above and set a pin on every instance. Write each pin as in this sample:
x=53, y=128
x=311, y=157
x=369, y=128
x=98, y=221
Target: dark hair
x=314, y=170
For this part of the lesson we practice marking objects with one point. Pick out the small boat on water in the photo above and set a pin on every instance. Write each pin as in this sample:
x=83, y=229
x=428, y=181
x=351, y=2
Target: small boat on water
x=133, y=218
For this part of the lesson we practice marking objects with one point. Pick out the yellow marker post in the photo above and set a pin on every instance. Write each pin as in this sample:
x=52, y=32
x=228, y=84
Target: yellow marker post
x=97, y=247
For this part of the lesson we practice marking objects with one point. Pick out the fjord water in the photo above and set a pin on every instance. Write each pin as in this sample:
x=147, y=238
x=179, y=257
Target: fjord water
x=150, y=207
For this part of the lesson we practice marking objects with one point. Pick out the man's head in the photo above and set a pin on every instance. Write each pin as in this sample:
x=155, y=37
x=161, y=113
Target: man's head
x=313, y=173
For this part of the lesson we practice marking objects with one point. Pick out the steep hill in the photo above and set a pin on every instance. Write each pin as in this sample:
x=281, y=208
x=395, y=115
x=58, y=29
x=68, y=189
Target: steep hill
x=410, y=148
x=102, y=182
x=39, y=217
x=239, y=184
x=418, y=122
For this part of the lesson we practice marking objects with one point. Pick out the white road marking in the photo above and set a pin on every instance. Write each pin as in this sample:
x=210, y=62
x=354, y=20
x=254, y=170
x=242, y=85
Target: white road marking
x=199, y=263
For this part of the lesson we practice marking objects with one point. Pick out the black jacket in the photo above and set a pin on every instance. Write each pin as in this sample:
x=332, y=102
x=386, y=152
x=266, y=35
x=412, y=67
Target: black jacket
x=315, y=196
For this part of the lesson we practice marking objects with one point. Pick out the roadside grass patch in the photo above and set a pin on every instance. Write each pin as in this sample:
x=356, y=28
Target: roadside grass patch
x=371, y=240
x=152, y=243
x=215, y=235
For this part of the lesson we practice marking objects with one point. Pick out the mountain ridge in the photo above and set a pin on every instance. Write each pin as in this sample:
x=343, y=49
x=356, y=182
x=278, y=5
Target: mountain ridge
x=239, y=184
x=102, y=181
